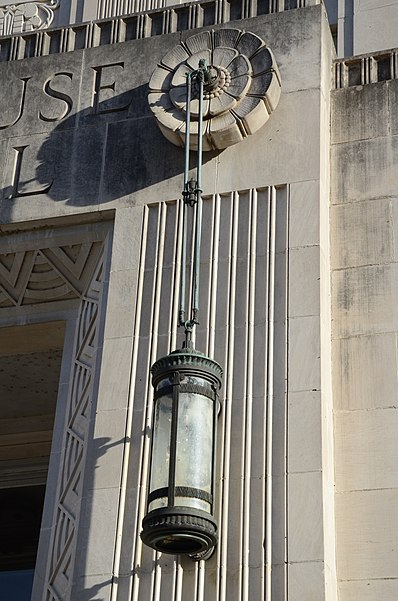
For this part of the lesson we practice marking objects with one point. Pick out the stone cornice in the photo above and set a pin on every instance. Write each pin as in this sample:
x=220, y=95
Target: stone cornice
x=171, y=19
x=366, y=68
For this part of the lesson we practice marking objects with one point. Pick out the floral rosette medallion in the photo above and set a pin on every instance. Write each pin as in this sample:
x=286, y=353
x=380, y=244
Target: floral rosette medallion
x=246, y=90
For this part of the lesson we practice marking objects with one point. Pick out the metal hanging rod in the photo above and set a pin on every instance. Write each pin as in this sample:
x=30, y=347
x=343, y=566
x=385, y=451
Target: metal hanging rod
x=206, y=78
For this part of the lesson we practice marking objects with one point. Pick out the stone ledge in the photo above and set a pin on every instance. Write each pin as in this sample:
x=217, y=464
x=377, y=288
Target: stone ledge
x=171, y=19
x=365, y=69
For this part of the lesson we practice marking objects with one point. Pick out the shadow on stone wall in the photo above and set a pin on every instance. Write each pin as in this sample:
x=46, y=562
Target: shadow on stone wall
x=99, y=591
x=95, y=157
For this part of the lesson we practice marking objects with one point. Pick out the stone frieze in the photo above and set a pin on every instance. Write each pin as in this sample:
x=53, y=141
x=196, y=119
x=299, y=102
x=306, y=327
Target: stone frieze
x=27, y=16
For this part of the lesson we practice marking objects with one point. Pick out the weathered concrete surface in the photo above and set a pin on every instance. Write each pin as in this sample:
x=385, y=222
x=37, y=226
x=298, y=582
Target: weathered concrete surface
x=365, y=326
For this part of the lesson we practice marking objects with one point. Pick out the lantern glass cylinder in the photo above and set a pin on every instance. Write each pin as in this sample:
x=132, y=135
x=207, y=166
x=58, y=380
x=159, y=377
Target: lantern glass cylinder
x=161, y=449
x=194, y=450
x=181, y=492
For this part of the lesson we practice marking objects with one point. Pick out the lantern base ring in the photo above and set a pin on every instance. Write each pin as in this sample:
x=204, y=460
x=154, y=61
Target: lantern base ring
x=177, y=530
x=202, y=555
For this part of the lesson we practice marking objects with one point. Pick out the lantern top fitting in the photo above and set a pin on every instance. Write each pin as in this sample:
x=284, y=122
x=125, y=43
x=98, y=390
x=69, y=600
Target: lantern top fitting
x=187, y=360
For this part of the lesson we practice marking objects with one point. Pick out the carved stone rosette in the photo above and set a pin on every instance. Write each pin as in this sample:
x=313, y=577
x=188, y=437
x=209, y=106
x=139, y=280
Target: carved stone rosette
x=248, y=89
x=27, y=16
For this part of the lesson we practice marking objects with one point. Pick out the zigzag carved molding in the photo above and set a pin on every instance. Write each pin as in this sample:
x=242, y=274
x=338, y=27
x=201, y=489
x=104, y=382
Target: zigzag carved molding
x=80, y=400
x=47, y=271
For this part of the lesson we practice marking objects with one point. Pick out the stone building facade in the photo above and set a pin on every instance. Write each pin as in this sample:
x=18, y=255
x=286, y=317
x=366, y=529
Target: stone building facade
x=297, y=296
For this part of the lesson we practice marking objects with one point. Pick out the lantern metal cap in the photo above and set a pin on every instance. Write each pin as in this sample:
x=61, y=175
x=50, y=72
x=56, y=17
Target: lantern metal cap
x=189, y=361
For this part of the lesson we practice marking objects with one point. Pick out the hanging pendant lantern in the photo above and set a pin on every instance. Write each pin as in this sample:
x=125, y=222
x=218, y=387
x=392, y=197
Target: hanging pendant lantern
x=180, y=508
x=180, y=516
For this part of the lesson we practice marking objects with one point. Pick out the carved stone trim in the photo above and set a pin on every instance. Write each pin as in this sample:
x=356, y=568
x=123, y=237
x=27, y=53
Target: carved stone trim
x=27, y=16
x=249, y=88
x=63, y=547
x=191, y=15
x=46, y=273
x=80, y=404
x=112, y=8
x=365, y=69
x=48, y=267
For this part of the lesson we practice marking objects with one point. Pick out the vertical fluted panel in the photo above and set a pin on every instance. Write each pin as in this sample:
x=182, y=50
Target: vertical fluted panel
x=114, y=8
x=244, y=243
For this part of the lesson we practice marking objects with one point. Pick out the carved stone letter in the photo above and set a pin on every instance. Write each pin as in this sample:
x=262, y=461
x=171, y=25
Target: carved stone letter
x=109, y=89
x=15, y=186
x=66, y=100
x=21, y=104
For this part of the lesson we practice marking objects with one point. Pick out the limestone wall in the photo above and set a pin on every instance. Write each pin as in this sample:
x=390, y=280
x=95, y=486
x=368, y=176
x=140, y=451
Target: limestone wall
x=374, y=25
x=82, y=157
x=364, y=291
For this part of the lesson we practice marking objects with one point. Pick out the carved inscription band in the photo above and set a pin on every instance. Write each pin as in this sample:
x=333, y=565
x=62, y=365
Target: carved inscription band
x=31, y=95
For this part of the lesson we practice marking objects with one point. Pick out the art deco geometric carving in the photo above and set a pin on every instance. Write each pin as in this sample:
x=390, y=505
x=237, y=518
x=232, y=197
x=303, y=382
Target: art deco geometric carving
x=46, y=274
x=28, y=16
x=72, y=466
x=46, y=268
x=248, y=90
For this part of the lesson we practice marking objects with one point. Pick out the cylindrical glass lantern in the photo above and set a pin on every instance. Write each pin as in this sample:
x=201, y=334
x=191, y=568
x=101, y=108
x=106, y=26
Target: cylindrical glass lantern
x=180, y=516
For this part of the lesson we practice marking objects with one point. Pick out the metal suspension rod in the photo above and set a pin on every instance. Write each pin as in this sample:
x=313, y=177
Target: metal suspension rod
x=188, y=129
x=181, y=314
x=192, y=196
x=195, y=302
